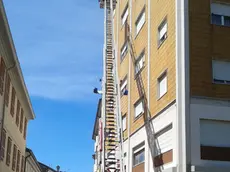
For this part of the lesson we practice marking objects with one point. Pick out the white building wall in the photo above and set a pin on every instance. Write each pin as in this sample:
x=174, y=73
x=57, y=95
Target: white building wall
x=206, y=109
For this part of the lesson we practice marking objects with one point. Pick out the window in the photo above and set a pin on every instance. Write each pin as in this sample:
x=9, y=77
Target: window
x=7, y=89
x=164, y=138
x=139, y=64
x=18, y=112
x=21, y=121
x=162, y=32
x=139, y=110
x=14, y=157
x=139, y=157
x=162, y=85
x=221, y=70
x=12, y=102
x=124, y=15
x=8, y=155
x=22, y=164
x=140, y=21
x=124, y=86
x=25, y=128
x=3, y=145
x=124, y=123
x=2, y=75
x=18, y=161
x=124, y=51
x=220, y=14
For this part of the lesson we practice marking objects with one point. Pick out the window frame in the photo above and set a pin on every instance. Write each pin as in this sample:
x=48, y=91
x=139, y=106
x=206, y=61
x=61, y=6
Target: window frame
x=219, y=81
x=12, y=103
x=21, y=121
x=159, y=79
x=18, y=161
x=124, y=117
x=123, y=85
x=160, y=41
x=8, y=152
x=138, y=154
x=18, y=112
x=124, y=51
x=126, y=10
x=14, y=158
x=141, y=56
x=135, y=105
x=3, y=144
x=143, y=11
x=2, y=75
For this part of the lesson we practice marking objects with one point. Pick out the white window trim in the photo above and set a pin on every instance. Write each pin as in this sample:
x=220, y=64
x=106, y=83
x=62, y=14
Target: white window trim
x=141, y=57
x=124, y=124
x=161, y=39
x=140, y=101
x=160, y=78
x=124, y=50
x=216, y=79
x=125, y=15
x=142, y=14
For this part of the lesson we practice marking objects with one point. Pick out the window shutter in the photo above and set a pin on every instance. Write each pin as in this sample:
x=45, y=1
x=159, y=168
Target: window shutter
x=18, y=112
x=21, y=121
x=14, y=157
x=220, y=9
x=7, y=90
x=3, y=144
x=22, y=164
x=12, y=107
x=2, y=75
x=18, y=161
x=221, y=70
x=25, y=128
x=8, y=156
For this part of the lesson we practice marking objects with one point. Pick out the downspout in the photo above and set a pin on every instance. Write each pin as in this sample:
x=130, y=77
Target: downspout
x=25, y=160
x=129, y=95
x=149, y=42
x=3, y=102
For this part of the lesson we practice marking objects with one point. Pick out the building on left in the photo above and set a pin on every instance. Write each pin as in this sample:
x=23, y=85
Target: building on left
x=15, y=105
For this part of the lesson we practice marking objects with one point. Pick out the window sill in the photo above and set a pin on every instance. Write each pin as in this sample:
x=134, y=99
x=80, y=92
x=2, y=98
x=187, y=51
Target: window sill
x=138, y=117
x=160, y=44
x=138, y=164
x=220, y=83
x=220, y=25
x=139, y=31
x=159, y=98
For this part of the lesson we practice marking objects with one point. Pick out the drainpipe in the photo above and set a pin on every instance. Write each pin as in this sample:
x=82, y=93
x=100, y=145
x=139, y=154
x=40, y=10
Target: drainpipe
x=26, y=160
x=3, y=102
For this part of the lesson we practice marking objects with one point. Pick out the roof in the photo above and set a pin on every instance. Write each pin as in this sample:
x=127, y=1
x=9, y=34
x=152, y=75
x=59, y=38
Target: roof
x=13, y=59
x=35, y=159
x=98, y=116
x=45, y=167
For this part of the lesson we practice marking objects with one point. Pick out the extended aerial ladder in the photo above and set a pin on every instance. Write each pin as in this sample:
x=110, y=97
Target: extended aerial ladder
x=112, y=140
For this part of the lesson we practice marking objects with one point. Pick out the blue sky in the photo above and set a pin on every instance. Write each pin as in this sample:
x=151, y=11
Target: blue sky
x=59, y=45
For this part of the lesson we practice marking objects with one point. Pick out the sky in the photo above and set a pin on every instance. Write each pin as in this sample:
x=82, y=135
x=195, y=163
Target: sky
x=59, y=45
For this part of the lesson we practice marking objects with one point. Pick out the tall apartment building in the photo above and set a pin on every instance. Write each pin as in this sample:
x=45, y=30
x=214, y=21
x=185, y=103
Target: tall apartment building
x=15, y=106
x=182, y=60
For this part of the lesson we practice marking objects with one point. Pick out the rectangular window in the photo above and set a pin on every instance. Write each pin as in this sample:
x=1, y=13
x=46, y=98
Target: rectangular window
x=2, y=75
x=162, y=85
x=124, y=15
x=124, y=122
x=25, y=128
x=162, y=32
x=8, y=155
x=21, y=121
x=140, y=21
x=139, y=157
x=221, y=71
x=3, y=145
x=18, y=113
x=220, y=14
x=7, y=90
x=124, y=51
x=12, y=107
x=18, y=161
x=14, y=157
x=139, y=64
x=124, y=85
x=22, y=164
x=139, y=109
